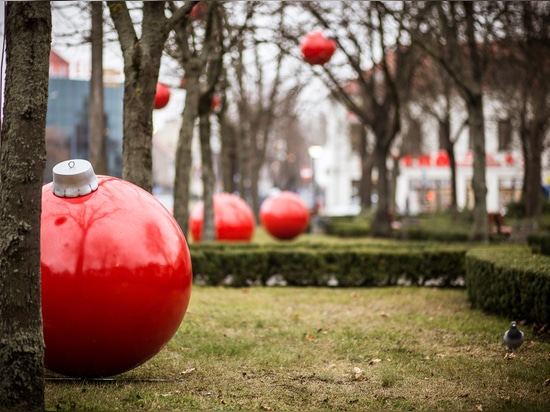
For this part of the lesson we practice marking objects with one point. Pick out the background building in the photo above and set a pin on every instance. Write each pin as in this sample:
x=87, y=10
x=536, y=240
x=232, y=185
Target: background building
x=67, y=131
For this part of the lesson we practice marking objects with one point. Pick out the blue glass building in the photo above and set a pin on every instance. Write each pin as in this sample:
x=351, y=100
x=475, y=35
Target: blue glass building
x=67, y=131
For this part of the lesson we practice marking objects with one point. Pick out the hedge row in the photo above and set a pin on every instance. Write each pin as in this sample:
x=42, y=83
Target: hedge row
x=343, y=265
x=539, y=242
x=510, y=281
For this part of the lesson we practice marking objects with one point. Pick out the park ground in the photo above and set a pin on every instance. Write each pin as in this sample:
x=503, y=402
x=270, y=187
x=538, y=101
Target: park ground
x=282, y=348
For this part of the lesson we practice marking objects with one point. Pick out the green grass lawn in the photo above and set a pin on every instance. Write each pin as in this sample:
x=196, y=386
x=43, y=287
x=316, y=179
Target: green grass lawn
x=335, y=349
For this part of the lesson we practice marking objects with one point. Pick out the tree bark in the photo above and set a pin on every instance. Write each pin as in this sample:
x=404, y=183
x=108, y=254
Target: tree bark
x=183, y=149
x=141, y=68
x=532, y=146
x=474, y=101
x=97, y=116
x=479, y=231
x=23, y=156
x=381, y=223
x=208, y=178
x=367, y=159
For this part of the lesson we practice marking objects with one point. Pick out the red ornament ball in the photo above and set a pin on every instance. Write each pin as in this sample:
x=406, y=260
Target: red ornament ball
x=162, y=97
x=317, y=49
x=116, y=276
x=284, y=216
x=233, y=219
x=199, y=10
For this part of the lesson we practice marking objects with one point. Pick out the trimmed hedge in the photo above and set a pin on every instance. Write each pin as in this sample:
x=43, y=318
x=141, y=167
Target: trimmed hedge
x=509, y=281
x=350, y=264
x=539, y=242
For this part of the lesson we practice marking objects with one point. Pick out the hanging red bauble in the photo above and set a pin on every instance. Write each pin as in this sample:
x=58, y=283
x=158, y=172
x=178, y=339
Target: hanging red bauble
x=216, y=102
x=284, y=216
x=162, y=97
x=233, y=219
x=116, y=273
x=317, y=49
x=199, y=10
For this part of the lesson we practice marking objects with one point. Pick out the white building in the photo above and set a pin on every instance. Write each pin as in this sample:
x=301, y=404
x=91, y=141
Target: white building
x=423, y=182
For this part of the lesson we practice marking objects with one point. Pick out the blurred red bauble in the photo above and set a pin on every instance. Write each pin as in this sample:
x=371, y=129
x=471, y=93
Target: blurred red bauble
x=317, y=49
x=116, y=273
x=233, y=219
x=216, y=102
x=199, y=10
x=162, y=97
x=284, y=216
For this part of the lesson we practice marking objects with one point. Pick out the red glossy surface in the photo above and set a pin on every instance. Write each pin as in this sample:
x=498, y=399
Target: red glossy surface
x=216, y=102
x=162, y=97
x=199, y=10
x=116, y=279
x=284, y=216
x=316, y=48
x=233, y=219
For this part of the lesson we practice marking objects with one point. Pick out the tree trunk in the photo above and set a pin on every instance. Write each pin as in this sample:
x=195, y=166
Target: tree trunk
x=452, y=166
x=228, y=153
x=97, y=116
x=381, y=223
x=141, y=68
x=23, y=156
x=183, y=151
x=208, y=178
x=365, y=183
x=532, y=192
x=479, y=230
x=254, y=180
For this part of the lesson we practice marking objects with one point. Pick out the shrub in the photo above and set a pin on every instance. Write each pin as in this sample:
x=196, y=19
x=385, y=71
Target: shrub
x=539, y=242
x=351, y=263
x=509, y=281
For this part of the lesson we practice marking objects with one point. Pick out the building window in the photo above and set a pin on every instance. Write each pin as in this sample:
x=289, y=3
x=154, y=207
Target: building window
x=504, y=135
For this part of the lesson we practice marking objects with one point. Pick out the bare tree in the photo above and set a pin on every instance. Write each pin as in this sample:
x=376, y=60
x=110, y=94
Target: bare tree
x=360, y=28
x=434, y=92
x=260, y=100
x=142, y=57
x=22, y=160
x=456, y=35
x=97, y=116
x=519, y=75
x=197, y=47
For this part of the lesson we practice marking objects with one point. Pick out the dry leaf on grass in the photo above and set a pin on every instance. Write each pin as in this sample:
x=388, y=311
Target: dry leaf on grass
x=266, y=408
x=186, y=371
x=374, y=361
x=547, y=382
x=479, y=407
x=357, y=372
x=310, y=337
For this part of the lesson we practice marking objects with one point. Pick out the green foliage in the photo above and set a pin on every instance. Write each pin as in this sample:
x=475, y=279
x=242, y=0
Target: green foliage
x=348, y=226
x=440, y=227
x=539, y=242
x=516, y=210
x=509, y=281
x=354, y=263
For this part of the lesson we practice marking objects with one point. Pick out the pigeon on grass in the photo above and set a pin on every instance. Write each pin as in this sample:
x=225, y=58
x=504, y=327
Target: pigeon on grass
x=513, y=338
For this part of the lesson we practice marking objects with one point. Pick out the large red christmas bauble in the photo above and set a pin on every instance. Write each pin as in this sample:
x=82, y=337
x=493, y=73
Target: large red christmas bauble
x=162, y=97
x=284, y=216
x=233, y=219
x=116, y=276
x=317, y=49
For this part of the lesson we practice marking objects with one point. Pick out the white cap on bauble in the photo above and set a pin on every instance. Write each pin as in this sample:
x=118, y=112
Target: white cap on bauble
x=73, y=178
